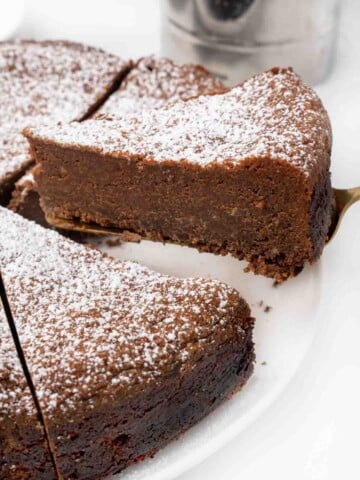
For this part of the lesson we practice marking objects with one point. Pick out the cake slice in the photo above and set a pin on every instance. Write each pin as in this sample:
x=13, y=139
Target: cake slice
x=153, y=82
x=244, y=172
x=123, y=359
x=24, y=451
x=47, y=81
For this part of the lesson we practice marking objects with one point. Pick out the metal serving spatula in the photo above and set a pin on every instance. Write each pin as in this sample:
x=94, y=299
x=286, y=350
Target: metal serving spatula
x=344, y=198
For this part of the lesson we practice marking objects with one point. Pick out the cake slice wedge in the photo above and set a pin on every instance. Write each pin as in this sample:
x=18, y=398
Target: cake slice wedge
x=122, y=359
x=151, y=83
x=24, y=451
x=244, y=172
x=155, y=81
x=47, y=81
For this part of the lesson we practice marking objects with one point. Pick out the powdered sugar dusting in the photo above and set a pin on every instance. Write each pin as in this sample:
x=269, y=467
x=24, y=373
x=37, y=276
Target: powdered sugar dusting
x=15, y=396
x=155, y=81
x=14, y=148
x=92, y=327
x=47, y=81
x=272, y=115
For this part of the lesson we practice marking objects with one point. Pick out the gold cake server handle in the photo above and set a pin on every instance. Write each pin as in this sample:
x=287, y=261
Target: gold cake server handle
x=344, y=198
x=81, y=227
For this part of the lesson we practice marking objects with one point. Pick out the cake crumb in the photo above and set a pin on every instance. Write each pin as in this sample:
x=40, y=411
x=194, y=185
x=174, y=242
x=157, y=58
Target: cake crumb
x=267, y=309
x=127, y=236
x=260, y=204
x=113, y=242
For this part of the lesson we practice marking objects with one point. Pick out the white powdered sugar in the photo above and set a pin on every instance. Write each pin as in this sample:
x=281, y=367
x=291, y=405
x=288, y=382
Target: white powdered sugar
x=272, y=115
x=47, y=82
x=14, y=151
x=15, y=396
x=92, y=327
x=153, y=82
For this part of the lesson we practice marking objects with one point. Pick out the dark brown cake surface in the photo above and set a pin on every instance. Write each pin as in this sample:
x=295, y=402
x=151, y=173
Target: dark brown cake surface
x=155, y=81
x=122, y=358
x=47, y=81
x=24, y=452
x=245, y=172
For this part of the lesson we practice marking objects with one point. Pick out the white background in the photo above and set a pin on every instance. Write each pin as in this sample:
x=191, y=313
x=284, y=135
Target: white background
x=312, y=430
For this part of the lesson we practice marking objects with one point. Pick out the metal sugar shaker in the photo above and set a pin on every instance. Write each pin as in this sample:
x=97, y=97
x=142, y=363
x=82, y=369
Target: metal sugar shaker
x=238, y=38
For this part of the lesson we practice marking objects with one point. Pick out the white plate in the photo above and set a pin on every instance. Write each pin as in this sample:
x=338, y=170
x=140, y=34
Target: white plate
x=11, y=15
x=283, y=337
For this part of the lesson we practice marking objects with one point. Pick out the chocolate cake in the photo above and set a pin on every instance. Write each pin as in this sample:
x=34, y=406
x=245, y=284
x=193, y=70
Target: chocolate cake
x=244, y=172
x=153, y=82
x=24, y=451
x=47, y=81
x=25, y=200
x=122, y=359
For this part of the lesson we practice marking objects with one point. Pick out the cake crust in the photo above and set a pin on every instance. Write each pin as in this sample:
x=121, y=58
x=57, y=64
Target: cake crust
x=244, y=172
x=122, y=359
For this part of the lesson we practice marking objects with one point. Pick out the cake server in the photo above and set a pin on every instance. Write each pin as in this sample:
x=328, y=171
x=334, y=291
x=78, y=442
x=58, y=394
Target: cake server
x=343, y=199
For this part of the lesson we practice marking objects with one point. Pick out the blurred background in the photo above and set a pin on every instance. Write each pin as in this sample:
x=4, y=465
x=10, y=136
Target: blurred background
x=233, y=38
x=128, y=28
